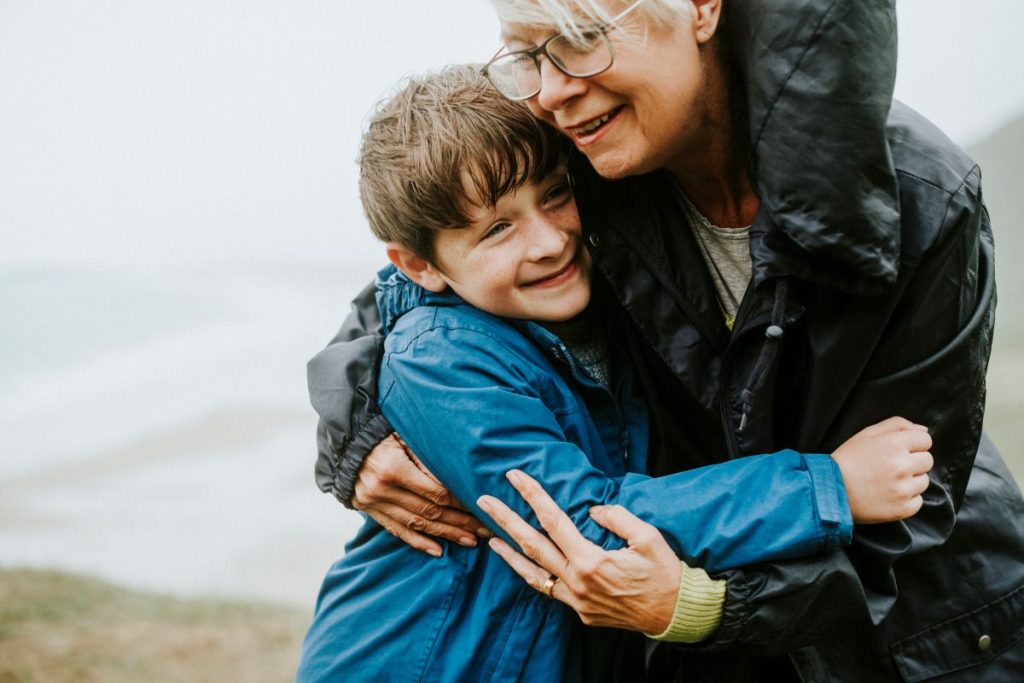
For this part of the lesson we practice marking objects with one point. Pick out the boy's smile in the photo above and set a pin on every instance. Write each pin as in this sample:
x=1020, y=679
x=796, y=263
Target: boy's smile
x=522, y=258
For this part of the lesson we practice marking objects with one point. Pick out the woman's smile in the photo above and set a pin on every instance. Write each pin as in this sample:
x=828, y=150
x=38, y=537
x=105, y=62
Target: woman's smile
x=591, y=131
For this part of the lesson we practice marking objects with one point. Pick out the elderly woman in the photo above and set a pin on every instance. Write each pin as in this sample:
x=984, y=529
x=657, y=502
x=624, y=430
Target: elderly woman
x=795, y=256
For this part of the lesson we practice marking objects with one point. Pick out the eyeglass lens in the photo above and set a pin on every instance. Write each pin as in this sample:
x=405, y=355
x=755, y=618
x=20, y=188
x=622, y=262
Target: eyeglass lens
x=517, y=75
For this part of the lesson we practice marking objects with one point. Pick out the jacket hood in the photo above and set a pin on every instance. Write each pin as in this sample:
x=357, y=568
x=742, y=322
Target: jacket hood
x=818, y=77
x=397, y=295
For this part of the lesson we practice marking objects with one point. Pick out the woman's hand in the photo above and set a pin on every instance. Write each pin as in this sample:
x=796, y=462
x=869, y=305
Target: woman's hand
x=396, y=490
x=633, y=588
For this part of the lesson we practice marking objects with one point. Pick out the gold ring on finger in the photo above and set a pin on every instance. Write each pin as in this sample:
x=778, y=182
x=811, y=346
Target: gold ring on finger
x=549, y=585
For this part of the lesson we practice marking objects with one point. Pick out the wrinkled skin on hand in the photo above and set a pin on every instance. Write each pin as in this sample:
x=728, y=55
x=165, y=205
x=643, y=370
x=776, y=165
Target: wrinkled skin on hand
x=400, y=494
x=632, y=588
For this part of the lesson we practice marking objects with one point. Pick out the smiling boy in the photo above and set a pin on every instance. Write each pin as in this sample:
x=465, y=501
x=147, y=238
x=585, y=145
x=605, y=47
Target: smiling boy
x=496, y=359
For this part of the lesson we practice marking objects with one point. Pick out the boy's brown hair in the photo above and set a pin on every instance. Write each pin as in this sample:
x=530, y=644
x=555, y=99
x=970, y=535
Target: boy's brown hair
x=443, y=142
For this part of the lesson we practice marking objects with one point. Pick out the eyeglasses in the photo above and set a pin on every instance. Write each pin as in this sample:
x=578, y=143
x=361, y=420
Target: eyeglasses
x=517, y=74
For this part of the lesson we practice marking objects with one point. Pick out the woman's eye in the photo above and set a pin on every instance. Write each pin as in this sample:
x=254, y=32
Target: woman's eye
x=559, y=193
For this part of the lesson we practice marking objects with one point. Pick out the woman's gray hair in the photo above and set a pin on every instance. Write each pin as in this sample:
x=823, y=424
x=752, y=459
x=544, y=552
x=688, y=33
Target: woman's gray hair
x=572, y=17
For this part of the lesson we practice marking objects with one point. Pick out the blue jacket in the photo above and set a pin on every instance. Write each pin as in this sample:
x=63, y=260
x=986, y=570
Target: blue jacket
x=475, y=396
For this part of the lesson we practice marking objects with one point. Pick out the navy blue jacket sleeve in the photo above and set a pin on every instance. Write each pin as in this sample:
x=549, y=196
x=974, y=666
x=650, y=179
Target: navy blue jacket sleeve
x=472, y=410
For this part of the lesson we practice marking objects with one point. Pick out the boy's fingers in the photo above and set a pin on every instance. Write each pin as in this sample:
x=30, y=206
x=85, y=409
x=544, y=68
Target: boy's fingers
x=916, y=440
x=921, y=462
x=893, y=424
x=559, y=526
x=914, y=506
x=534, y=544
x=919, y=484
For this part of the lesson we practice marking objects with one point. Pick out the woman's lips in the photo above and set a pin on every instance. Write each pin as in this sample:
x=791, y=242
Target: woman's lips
x=557, y=278
x=591, y=131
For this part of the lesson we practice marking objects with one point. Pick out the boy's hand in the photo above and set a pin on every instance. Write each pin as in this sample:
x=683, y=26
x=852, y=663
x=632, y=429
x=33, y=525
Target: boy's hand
x=885, y=470
x=404, y=497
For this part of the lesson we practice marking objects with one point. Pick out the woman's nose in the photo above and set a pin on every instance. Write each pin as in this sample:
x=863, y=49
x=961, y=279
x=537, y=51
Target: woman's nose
x=556, y=88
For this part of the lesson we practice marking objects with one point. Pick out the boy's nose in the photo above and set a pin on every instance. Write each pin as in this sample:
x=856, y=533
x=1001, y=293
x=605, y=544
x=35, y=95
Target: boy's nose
x=547, y=241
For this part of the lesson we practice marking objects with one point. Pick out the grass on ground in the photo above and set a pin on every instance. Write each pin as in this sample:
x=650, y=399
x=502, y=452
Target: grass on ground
x=59, y=628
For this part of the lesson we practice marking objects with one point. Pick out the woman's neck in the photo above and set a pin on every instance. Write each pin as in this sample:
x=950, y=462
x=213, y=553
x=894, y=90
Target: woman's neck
x=725, y=196
x=713, y=171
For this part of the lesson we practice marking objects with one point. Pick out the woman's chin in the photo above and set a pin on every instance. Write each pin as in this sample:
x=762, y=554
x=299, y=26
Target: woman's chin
x=612, y=164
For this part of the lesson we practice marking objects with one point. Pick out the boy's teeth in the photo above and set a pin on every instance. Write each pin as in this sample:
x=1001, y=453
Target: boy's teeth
x=593, y=125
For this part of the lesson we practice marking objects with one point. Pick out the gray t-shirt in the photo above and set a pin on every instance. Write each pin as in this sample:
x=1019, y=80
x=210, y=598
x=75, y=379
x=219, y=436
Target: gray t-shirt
x=727, y=254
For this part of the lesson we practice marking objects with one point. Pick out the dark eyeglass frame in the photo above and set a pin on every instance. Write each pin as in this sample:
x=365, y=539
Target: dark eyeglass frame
x=601, y=29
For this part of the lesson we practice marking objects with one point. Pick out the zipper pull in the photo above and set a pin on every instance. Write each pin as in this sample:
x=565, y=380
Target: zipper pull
x=746, y=400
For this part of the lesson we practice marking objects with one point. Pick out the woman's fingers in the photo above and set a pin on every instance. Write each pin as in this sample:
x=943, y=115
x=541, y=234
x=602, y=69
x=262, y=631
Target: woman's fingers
x=411, y=538
x=626, y=525
x=420, y=515
x=534, y=575
x=393, y=488
x=534, y=544
x=437, y=493
x=400, y=471
x=633, y=587
x=559, y=526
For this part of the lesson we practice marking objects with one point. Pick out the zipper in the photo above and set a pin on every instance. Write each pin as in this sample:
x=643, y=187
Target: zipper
x=731, y=441
x=731, y=446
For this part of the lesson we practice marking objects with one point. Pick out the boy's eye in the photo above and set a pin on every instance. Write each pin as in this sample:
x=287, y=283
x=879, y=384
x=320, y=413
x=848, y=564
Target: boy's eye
x=495, y=229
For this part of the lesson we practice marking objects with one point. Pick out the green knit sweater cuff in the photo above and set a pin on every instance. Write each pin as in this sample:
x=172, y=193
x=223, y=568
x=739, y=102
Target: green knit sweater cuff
x=698, y=607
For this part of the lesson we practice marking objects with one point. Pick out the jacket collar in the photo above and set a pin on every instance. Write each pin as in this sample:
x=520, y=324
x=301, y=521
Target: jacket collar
x=397, y=295
x=816, y=118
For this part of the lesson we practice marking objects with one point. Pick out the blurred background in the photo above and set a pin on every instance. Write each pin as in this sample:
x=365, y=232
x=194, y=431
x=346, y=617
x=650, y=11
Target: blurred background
x=180, y=232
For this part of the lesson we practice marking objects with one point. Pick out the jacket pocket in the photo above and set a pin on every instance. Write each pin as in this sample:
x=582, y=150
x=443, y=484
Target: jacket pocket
x=962, y=642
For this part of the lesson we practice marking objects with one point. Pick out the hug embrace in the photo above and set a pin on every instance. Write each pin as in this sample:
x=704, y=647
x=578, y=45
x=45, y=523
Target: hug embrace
x=690, y=320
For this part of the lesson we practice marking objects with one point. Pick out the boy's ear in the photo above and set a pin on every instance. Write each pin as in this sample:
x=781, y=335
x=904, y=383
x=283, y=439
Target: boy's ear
x=416, y=267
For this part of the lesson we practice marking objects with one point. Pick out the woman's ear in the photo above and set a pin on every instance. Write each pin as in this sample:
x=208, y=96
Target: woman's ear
x=708, y=12
x=416, y=267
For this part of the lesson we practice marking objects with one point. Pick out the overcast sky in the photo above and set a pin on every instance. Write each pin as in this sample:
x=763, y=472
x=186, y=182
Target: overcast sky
x=226, y=130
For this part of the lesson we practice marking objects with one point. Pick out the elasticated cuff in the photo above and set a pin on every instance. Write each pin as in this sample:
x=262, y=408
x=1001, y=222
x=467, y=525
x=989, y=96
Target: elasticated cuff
x=699, y=604
x=350, y=456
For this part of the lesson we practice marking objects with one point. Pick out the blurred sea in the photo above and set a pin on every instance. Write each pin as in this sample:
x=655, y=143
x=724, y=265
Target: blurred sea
x=155, y=428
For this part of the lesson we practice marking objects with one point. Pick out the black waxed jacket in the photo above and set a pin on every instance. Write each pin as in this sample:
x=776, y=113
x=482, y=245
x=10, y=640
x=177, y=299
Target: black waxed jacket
x=872, y=295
